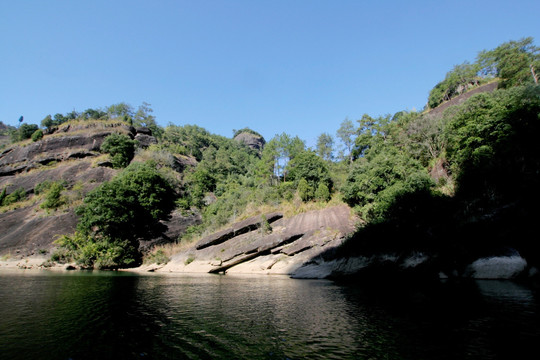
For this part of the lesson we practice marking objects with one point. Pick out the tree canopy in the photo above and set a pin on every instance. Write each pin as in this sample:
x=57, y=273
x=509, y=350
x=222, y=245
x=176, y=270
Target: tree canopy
x=117, y=214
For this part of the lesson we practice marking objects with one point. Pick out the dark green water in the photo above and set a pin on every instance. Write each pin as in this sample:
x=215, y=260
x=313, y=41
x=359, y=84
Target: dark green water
x=106, y=315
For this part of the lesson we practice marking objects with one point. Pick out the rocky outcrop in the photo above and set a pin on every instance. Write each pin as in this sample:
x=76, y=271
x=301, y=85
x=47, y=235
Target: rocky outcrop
x=415, y=265
x=144, y=137
x=239, y=228
x=253, y=141
x=176, y=226
x=72, y=141
x=281, y=246
x=29, y=230
x=26, y=233
x=70, y=172
x=436, y=112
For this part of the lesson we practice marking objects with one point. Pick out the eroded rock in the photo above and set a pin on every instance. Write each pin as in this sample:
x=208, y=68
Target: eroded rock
x=246, y=248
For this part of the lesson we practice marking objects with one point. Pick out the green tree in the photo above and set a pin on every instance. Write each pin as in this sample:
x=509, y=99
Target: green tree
x=47, y=122
x=118, y=213
x=305, y=191
x=120, y=109
x=120, y=147
x=143, y=117
x=492, y=146
x=514, y=62
x=94, y=114
x=187, y=140
x=373, y=184
x=346, y=133
x=325, y=144
x=284, y=148
x=372, y=134
x=311, y=168
x=24, y=132
x=457, y=81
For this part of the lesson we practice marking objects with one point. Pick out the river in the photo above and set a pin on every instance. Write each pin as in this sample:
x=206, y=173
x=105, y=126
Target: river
x=122, y=315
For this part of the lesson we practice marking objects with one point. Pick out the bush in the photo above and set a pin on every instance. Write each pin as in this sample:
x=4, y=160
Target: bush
x=25, y=131
x=305, y=191
x=54, y=198
x=117, y=214
x=2, y=196
x=322, y=193
x=120, y=147
x=37, y=135
x=16, y=196
x=157, y=257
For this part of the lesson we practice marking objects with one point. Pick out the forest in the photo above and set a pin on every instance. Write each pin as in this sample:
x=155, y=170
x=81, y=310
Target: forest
x=459, y=183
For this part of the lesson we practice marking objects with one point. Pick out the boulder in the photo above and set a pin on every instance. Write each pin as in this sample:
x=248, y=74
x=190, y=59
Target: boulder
x=145, y=140
x=253, y=141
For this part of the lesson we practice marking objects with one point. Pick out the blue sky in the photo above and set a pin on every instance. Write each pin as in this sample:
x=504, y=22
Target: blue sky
x=295, y=66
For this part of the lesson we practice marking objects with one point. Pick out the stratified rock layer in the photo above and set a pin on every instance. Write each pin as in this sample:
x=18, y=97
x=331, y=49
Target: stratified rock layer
x=280, y=248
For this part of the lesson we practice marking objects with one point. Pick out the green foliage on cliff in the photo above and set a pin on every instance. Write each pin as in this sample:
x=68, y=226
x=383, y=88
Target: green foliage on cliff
x=492, y=143
x=13, y=197
x=53, y=194
x=120, y=147
x=37, y=135
x=513, y=63
x=117, y=214
x=489, y=148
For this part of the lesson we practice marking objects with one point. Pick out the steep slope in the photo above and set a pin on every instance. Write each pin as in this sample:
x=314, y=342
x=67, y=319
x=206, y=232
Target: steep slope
x=70, y=155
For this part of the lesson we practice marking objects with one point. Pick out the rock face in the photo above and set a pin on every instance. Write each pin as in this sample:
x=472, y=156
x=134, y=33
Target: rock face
x=144, y=137
x=253, y=141
x=462, y=98
x=268, y=245
x=67, y=154
x=176, y=226
x=25, y=233
x=67, y=143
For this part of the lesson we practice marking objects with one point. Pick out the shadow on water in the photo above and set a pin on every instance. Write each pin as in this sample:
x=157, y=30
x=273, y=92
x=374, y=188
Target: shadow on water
x=126, y=316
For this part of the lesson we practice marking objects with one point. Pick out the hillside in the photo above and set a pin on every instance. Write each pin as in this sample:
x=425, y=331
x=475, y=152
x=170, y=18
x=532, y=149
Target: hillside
x=449, y=192
x=69, y=155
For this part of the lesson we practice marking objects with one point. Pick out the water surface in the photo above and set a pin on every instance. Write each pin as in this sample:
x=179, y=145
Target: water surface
x=108, y=315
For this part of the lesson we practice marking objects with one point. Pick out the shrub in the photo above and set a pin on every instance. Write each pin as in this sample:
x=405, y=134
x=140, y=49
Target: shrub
x=24, y=132
x=37, y=135
x=305, y=191
x=120, y=147
x=322, y=193
x=16, y=196
x=2, y=196
x=117, y=214
x=54, y=198
x=158, y=257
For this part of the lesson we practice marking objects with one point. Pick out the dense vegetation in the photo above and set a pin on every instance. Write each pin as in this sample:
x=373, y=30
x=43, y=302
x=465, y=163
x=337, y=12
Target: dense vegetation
x=456, y=183
x=116, y=215
x=513, y=63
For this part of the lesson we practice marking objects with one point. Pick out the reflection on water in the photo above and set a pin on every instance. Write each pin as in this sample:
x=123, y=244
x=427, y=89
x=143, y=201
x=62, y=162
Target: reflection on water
x=109, y=315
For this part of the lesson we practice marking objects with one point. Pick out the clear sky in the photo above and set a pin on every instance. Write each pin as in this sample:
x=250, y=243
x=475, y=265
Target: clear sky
x=294, y=66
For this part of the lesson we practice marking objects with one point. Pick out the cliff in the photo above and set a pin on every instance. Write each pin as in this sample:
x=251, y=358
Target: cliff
x=68, y=154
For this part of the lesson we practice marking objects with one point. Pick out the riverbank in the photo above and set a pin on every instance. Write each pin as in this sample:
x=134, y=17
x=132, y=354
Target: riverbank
x=31, y=263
